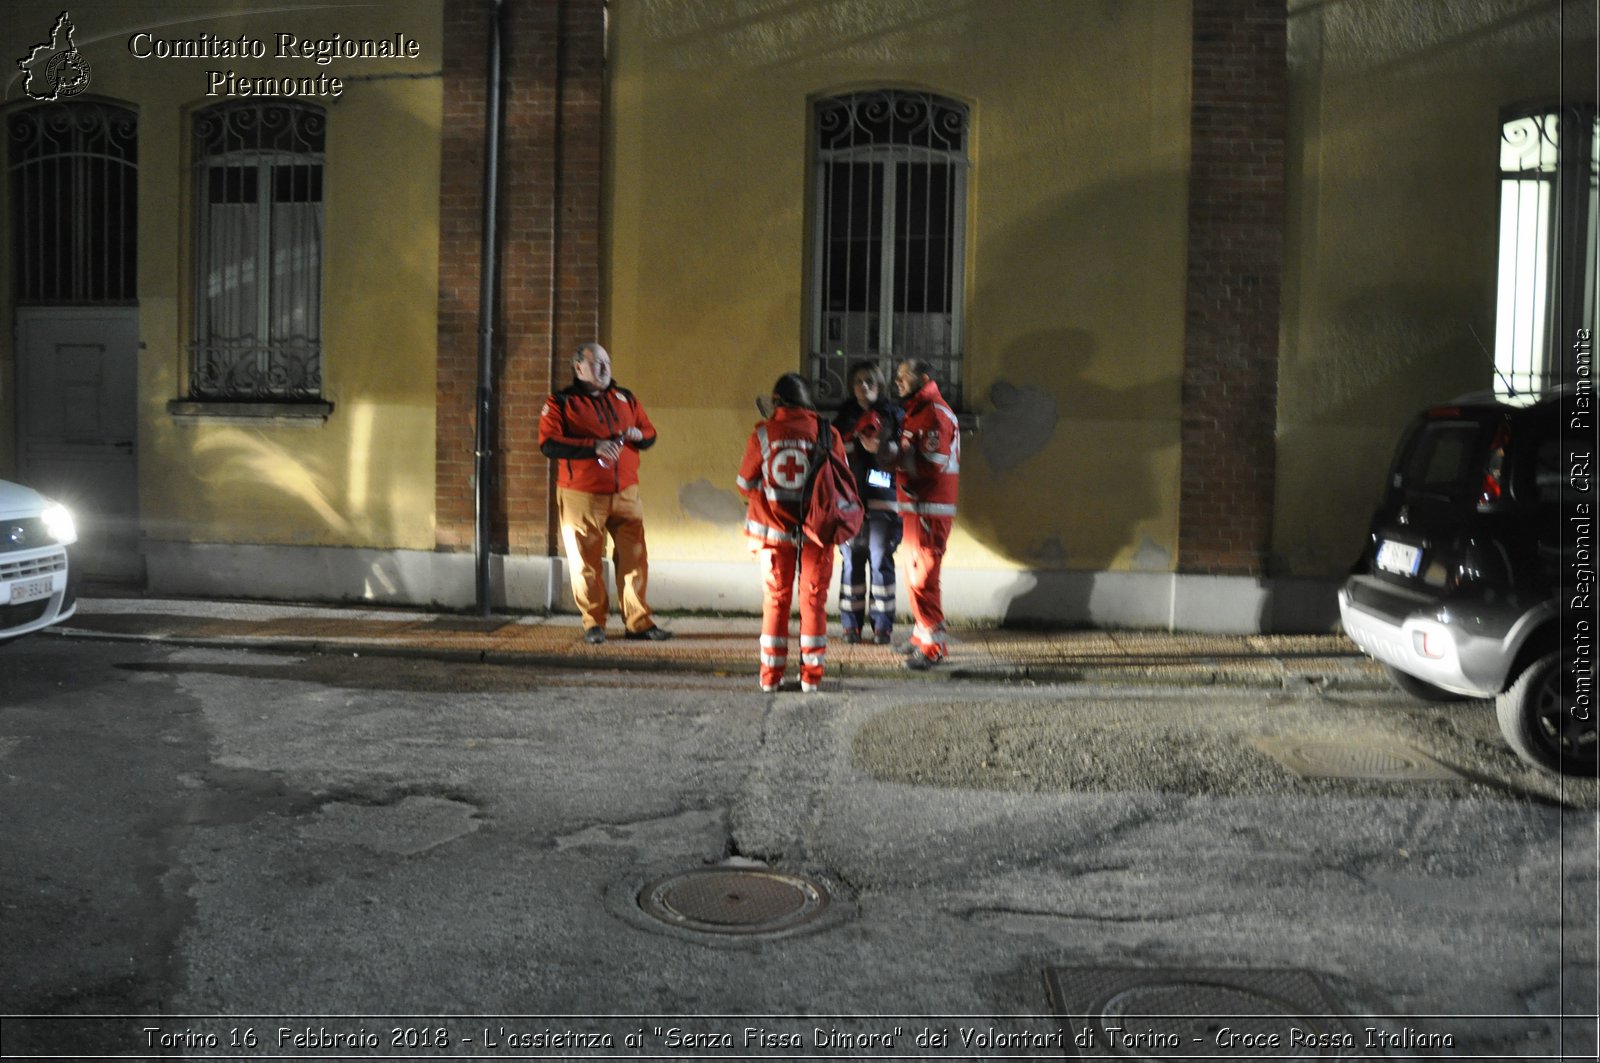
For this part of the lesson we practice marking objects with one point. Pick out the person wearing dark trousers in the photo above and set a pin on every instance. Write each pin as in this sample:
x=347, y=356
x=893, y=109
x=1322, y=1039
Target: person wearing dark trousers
x=869, y=423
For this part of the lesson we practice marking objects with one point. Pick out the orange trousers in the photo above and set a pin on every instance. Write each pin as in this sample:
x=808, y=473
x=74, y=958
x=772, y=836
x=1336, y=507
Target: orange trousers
x=925, y=539
x=778, y=576
x=586, y=520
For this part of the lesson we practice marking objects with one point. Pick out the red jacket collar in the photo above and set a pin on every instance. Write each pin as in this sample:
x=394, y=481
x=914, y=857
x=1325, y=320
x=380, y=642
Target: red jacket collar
x=792, y=413
x=927, y=393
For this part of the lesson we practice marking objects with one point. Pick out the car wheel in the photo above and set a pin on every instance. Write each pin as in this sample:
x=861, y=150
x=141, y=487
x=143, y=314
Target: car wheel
x=1419, y=688
x=1536, y=717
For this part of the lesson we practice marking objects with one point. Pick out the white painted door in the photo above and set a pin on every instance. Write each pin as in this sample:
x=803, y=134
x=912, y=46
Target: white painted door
x=76, y=423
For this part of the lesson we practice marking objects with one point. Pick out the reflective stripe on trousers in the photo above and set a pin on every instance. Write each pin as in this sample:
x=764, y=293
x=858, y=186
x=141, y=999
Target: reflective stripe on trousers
x=866, y=576
x=778, y=569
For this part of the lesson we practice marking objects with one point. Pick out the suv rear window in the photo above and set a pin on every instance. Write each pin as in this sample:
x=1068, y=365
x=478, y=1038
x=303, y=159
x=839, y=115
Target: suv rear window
x=1440, y=458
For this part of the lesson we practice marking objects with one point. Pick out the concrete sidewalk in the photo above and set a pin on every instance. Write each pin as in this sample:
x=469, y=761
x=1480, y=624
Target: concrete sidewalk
x=726, y=645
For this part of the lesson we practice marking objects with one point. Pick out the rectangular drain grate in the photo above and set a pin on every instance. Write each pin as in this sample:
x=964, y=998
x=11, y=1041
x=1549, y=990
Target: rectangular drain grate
x=1193, y=1012
x=1312, y=758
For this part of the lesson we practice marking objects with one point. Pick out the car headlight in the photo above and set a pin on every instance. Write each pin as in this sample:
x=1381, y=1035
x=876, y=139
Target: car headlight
x=58, y=523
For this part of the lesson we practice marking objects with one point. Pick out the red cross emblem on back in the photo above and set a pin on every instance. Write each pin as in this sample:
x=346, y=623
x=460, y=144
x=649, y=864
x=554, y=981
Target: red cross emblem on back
x=788, y=468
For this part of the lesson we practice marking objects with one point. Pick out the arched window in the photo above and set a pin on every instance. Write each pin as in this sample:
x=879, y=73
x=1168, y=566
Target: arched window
x=74, y=203
x=889, y=225
x=257, y=252
x=1549, y=204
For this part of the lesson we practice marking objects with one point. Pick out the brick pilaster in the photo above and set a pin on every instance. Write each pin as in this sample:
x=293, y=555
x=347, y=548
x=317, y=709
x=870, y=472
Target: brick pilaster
x=1235, y=266
x=552, y=56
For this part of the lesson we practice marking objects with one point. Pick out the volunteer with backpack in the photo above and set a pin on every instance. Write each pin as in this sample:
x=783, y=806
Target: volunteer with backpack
x=869, y=424
x=774, y=477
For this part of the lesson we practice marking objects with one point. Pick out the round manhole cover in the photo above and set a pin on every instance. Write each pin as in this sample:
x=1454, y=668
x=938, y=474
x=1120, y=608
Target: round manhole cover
x=722, y=900
x=1180, y=1020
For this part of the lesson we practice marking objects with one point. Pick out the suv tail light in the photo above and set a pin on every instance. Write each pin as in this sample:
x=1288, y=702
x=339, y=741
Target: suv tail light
x=1493, y=486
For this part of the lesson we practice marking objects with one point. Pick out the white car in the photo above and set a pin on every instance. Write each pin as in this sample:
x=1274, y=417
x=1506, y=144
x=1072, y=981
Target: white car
x=37, y=584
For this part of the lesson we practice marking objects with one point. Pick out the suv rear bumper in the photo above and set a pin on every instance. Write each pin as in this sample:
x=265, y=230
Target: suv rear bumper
x=1395, y=628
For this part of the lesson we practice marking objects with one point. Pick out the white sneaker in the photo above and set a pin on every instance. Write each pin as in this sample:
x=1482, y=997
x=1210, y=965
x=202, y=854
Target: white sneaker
x=769, y=688
x=810, y=688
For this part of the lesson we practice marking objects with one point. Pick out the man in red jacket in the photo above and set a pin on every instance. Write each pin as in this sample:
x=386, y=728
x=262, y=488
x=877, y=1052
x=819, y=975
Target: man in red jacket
x=926, y=485
x=595, y=430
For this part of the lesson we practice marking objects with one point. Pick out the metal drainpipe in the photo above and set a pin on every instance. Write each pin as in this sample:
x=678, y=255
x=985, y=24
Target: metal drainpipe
x=552, y=517
x=487, y=289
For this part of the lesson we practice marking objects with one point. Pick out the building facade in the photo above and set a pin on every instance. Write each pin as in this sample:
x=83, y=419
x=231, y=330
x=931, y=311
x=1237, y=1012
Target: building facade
x=1184, y=268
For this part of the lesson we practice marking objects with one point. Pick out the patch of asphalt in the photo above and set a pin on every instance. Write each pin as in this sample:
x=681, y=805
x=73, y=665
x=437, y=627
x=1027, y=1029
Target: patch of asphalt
x=1035, y=742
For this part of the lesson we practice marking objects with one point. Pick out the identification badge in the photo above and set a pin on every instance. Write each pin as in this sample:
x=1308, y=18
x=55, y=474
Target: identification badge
x=879, y=478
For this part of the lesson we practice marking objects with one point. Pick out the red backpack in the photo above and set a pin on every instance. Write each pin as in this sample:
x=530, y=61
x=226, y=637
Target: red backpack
x=833, y=506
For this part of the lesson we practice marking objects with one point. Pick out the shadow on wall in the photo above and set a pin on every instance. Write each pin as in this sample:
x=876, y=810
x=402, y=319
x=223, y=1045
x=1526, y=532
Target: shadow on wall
x=1027, y=497
x=704, y=500
x=1077, y=394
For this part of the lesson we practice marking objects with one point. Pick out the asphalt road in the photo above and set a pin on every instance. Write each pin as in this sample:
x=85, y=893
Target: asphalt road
x=253, y=854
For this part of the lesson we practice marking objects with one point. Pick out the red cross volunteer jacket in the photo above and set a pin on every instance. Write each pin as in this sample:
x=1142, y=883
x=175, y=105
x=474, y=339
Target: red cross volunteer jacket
x=773, y=473
x=573, y=421
x=930, y=455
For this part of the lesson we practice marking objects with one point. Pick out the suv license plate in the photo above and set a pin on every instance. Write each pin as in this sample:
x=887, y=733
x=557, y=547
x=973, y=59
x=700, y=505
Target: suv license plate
x=30, y=590
x=1399, y=557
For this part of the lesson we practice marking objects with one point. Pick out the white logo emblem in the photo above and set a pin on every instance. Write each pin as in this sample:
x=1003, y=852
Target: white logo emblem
x=55, y=69
x=786, y=468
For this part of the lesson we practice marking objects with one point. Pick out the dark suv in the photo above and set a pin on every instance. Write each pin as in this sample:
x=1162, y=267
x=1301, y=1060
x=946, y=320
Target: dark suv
x=1455, y=592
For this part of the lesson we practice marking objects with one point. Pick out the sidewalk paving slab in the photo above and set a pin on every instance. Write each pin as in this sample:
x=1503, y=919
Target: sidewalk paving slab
x=726, y=645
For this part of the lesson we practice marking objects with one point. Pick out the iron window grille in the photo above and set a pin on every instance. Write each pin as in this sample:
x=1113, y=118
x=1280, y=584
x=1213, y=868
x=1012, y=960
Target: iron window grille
x=258, y=235
x=74, y=203
x=1549, y=207
x=889, y=236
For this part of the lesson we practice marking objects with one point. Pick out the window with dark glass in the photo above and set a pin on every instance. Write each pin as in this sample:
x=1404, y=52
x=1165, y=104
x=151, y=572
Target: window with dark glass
x=257, y=253
x=888, y=237
x=74, y=183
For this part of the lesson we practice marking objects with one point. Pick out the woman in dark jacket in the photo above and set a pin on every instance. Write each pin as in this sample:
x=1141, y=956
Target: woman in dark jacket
x=869, y=423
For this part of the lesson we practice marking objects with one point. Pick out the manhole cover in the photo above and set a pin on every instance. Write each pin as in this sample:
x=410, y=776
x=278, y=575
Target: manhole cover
x=1314, y=759
x=1162, y=1014
x=721, y=900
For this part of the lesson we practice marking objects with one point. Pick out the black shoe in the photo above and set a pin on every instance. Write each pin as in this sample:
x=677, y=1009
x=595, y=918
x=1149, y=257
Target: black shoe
x=919, y=662
x=649, y=634
x=852, y=637
x=881, y=638
x=594, y=636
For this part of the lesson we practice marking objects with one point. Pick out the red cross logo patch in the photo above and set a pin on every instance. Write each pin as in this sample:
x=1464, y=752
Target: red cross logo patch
x=786, y=468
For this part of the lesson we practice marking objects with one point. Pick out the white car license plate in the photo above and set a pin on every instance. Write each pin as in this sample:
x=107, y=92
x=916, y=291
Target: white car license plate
x=1399, y=557
x=29, y=590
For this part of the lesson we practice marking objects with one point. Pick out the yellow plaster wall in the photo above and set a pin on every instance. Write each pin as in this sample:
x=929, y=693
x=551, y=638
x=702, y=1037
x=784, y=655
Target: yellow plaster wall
x=365, y=478
x=1075, y=245
x=1389, y=294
